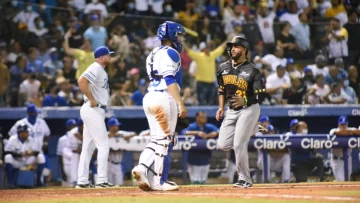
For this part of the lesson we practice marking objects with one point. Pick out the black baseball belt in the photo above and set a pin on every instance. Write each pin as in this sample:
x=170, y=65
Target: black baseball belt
x=98, y=105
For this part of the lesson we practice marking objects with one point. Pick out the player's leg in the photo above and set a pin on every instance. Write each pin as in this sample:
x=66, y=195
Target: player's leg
x=285, y=162
x=204, y=173
x=247, y=120
x=317, y=162
x=191, y=172
x=227, y=131
x=87, y=150
x=300, y=170
x=337, y=167
x=40, y=161
x=260, y=165
x=167, y=161
x=11, y=165
x=118, y=173
x=110, y=173
x=75, y=160
x=67, y=171
x=349, y=166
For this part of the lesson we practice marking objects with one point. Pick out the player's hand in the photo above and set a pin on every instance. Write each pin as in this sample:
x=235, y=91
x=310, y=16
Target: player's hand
x=182, y=111
x=237, y=101
x=220, y=114
x=284, y=86
x=93, y=103
x=202, y=135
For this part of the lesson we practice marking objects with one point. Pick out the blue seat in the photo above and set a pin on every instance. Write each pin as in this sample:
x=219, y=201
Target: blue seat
x=26, y=179
x=2, y=177
x=55, y=168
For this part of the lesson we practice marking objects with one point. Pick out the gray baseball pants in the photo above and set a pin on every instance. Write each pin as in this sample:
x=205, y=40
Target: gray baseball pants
x=235, y=132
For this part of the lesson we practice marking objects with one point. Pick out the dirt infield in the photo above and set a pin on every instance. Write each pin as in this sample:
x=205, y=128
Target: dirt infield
x=347, y=192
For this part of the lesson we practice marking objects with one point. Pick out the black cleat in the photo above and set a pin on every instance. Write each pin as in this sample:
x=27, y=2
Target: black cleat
x=243, y=184
x=104, y=185
x=84, y=186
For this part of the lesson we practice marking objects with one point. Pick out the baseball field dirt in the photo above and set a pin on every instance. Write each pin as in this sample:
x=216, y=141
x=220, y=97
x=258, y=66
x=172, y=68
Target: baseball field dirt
x=270, y=193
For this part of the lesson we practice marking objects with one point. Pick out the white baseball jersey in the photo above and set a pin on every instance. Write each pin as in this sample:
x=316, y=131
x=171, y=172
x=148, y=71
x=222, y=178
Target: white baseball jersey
x=15, y=145
x=339, y=151
x=116, y=143
x=74, y=142
x=164, y=61
x=99, y=83
x=62, y=143
x=38, y=131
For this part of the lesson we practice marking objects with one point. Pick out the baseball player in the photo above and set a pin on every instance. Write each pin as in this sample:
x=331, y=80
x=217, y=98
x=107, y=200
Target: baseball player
x=22, y=152
x=264, y=121
x=241, y=88
x=95, y=86
x=199, y=160
x=39, y=131
x=162, y=105
x=337, y=160
x=278, y=160
x=65, y=164
x=116, y=138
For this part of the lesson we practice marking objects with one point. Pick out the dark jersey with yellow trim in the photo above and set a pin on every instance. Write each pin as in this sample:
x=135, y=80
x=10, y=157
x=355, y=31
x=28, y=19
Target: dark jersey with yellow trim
x=241, y=79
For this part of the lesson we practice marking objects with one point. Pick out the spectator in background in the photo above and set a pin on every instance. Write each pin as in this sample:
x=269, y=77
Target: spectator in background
x=301, y=33
x=275, y=60
x=306, y=161
x=354, y=80
x=237, y=16
x=188, y=98
x=96, y=33
x=294, y=94
x=206, y=71
x=141, y=6
x=339, y=64
x=212, y=9
x=189, y=16
x=78, y=97
x=52, y=99
x=138, y=95
x=344, y=83
x=39, y=27
x=318, y=92
x=4, y=82
x=291, y=69
x=292, y=16
x=65, y=89
x=336, y=38
x=198, y=161
x=96, y=7
x=337, y=10
x=84, y=56
x=118, y=75
x=18, y=71
x=54, y=63
x=337, y=96
x=319, y=68
x=131, y=85
x=34, y=64
x=333, y=75
x=353, y=29
x=119, y=42
x=156, y=7
x=15, y=51
x=281, y=8
x=286, y=41
x=259, y=50
x=27, y=15
x=26, y=38
x=308, y=77
x=276, y=83
x=77, y=38
x=151, y=41
x=265, y=21
x=322, y=6
x=30, y=90
x=43, y=53
x=44, y=11
x=237, y=30
x=69, y=72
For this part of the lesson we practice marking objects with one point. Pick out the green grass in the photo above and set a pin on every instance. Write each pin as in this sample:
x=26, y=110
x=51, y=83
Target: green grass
x=163, y=200
x=348, y=193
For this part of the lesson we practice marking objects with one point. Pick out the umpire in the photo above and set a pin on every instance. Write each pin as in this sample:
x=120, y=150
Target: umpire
x=241, y=88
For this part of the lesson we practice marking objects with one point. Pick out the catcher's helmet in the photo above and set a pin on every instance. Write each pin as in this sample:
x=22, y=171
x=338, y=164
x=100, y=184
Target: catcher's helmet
x=23, y=128
x=237, y=40
x=169, y=30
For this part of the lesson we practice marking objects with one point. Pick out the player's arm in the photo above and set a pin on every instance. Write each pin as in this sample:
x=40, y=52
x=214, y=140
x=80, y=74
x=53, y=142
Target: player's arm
x=215, y=131
x=10, y=149
x=84, y=80
x=221, y=97
x=259, y=89
x=66, y=45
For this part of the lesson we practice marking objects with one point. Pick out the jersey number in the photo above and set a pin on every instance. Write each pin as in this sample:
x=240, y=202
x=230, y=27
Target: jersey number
x=106, y=84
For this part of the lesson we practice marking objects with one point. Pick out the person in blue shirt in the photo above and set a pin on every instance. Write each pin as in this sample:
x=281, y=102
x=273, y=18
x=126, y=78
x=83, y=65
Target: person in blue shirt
x=52, y=99
x=306, y=161
x=96, y=33
x=198, y=161
x=138, y=95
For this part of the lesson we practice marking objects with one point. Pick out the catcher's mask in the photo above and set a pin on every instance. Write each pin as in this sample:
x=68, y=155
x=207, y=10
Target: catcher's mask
x=237, y=40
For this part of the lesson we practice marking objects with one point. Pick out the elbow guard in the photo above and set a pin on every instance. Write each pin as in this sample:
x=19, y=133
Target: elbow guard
x=170, y=79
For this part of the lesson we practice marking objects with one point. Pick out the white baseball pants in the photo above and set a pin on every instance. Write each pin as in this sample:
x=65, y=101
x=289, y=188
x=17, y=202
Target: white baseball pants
x=277, y=164
x=198, y=174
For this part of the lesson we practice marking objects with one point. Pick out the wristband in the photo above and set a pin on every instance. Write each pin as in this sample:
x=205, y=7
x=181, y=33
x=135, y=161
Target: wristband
x=245, y=101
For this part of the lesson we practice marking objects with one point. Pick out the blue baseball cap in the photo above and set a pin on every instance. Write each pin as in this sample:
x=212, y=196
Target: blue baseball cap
x=70, y=122
x=270, y=128
x=94, y=17
x=102, y=51
x=289, y=61
x=343, y=120
x=31, y=108
x=294, y=122
x=264, y=119
x=142, y=82
x=113, y=121
x=307, y=69
x=79, y=122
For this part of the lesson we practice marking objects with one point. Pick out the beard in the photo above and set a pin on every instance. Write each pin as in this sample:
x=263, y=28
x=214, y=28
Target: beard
x=236, y=56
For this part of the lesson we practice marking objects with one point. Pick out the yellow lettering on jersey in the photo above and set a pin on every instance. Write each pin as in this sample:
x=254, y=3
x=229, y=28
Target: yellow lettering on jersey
x=234, y=80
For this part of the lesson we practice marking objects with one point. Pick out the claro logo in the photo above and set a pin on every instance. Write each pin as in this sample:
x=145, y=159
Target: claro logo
x=312, y=143
x=264, y=143
x=355, y=112
x=188, y=143
x=301, y=112
x=354, y=142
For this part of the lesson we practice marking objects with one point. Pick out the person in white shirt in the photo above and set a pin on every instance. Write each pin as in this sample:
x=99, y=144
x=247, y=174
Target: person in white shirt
x=322, y=6
x=318, y=91
x=265, y=21
x=96, y=6
x=27, y=16
x=292, y=16
x=142, y=6
x=301, y=32
x=30, y=89
x=116, y=139
x=39, y=27
x=156, y=6
x=337, y=96
x=336, y=38
x=151, y=41
x=237, y=17
x=275, y=60
x=319, y=68
x=277, y=82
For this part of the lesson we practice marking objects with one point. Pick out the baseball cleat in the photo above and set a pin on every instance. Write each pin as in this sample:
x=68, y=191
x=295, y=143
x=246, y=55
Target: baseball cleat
x=84, y=186
x=242, y=184
x=262, y=128
x=172, y=183
x=104, y=185
x=141, y=179
x=165, y=187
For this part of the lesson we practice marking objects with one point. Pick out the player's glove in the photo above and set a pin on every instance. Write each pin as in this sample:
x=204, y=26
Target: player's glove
x=262, y=128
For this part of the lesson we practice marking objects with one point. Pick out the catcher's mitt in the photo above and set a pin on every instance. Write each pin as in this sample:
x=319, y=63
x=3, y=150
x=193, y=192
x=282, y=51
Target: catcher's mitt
x=262, y=128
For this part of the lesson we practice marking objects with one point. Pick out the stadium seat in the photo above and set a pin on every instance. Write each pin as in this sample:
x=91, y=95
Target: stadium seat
x=26, y=179
x=55, y=168
x=2, y=177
